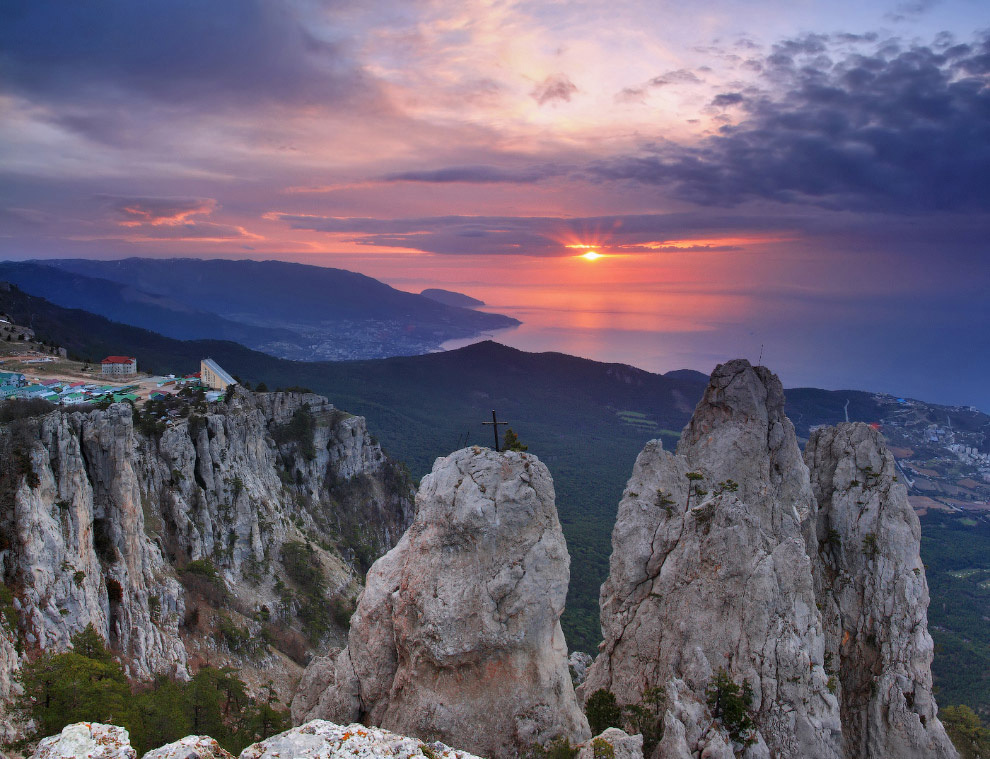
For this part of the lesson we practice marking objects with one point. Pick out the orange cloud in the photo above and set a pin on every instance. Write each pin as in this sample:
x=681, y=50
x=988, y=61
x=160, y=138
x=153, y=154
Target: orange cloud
x=162, y=211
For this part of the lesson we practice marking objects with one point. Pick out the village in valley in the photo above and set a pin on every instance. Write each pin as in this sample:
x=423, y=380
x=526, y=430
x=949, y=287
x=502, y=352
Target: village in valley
x=942, y=453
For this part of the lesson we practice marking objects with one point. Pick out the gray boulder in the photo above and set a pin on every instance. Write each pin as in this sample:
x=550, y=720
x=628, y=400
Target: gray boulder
x=191, y=747
x=87, y=740
x=622, y=745
x=325, y=740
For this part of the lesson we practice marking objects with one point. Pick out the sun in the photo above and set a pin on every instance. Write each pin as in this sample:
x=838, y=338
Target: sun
x=591, y=255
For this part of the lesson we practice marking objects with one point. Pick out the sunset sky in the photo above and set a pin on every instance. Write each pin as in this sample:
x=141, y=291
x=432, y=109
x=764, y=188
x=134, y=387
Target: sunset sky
x=807, y=176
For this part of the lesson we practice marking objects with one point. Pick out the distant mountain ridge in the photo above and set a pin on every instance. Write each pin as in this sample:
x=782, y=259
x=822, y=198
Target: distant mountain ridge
x=451, y=298
x=126, y=304
x=284, y=309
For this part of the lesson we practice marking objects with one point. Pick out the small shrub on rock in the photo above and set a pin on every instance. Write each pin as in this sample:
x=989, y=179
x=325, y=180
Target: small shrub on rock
x=603, y=711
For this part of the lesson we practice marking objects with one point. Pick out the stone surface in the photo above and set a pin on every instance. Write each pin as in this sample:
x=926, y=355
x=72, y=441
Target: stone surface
x=702, y=581
x=87, y=740
x=579, y=662
x=457, y=634
x=190, y=747
x=872, y=589
x=623, y=745
x=101, y=534
x=325, y=740
x=10, y=663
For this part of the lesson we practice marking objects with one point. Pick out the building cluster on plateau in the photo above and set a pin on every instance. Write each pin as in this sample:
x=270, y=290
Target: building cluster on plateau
x=68, y=392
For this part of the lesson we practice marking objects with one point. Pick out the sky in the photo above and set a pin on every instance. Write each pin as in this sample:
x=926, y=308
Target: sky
x=801, y=181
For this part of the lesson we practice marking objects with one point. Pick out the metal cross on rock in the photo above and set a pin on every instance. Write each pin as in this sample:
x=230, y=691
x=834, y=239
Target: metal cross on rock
x=495, y=423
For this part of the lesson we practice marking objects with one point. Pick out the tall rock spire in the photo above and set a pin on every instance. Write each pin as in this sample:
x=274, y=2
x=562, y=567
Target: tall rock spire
x=457, y=634
x=710, y=572
x=873, y=594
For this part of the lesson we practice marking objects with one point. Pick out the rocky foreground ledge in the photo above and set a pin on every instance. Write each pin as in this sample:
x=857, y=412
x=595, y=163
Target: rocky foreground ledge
x=318, y=739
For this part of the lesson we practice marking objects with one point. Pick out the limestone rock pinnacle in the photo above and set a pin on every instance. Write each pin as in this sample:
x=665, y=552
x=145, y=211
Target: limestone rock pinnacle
x=710, y=572
x=457, y=635
x=874, y=597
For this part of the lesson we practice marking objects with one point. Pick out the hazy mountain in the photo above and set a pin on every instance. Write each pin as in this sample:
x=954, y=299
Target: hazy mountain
x=451, y=298
x=288, y=310
x=129, y=305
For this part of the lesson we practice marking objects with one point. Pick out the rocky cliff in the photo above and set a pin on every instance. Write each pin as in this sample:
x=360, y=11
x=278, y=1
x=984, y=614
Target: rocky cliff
x=874, y=598
x=457, y=633
x=709, y=572
x=167, y=533
x=790, y=589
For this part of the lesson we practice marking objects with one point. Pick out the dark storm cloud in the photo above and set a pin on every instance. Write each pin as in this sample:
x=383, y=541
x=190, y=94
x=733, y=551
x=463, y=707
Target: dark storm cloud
x=727, y=99
x=554, y=87
x=172, y=51
x=477, y=175
x=894, y=129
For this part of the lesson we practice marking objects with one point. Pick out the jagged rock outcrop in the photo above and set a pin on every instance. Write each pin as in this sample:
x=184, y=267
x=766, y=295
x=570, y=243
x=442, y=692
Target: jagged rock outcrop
x=314, y=740
x=101, y=510
x=457, y=634
x=711, y=572
x=87, y=740
x=874, y=597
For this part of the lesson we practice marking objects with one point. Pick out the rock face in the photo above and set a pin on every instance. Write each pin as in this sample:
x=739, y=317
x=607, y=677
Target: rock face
x=579, y=662
x=874, y=597
x=10, y=662
x=711, y=572
x=457, y=633
x=98, y=516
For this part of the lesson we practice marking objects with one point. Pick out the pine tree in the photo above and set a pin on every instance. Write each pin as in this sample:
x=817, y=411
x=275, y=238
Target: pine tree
x=603, y=711
x=511, y=442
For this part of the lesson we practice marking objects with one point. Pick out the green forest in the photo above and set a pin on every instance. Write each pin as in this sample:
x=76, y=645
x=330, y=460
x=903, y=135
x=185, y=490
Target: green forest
x=957, y=564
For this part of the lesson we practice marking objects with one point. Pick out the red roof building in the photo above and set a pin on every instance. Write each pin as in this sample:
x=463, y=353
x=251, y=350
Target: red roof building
x=119, y=365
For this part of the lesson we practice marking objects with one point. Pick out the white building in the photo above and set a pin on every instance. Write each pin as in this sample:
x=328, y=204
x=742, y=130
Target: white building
x=213, y=376
x=115, y=365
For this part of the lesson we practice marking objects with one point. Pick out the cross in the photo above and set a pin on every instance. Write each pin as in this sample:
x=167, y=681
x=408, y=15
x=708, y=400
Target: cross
x=495, y=423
